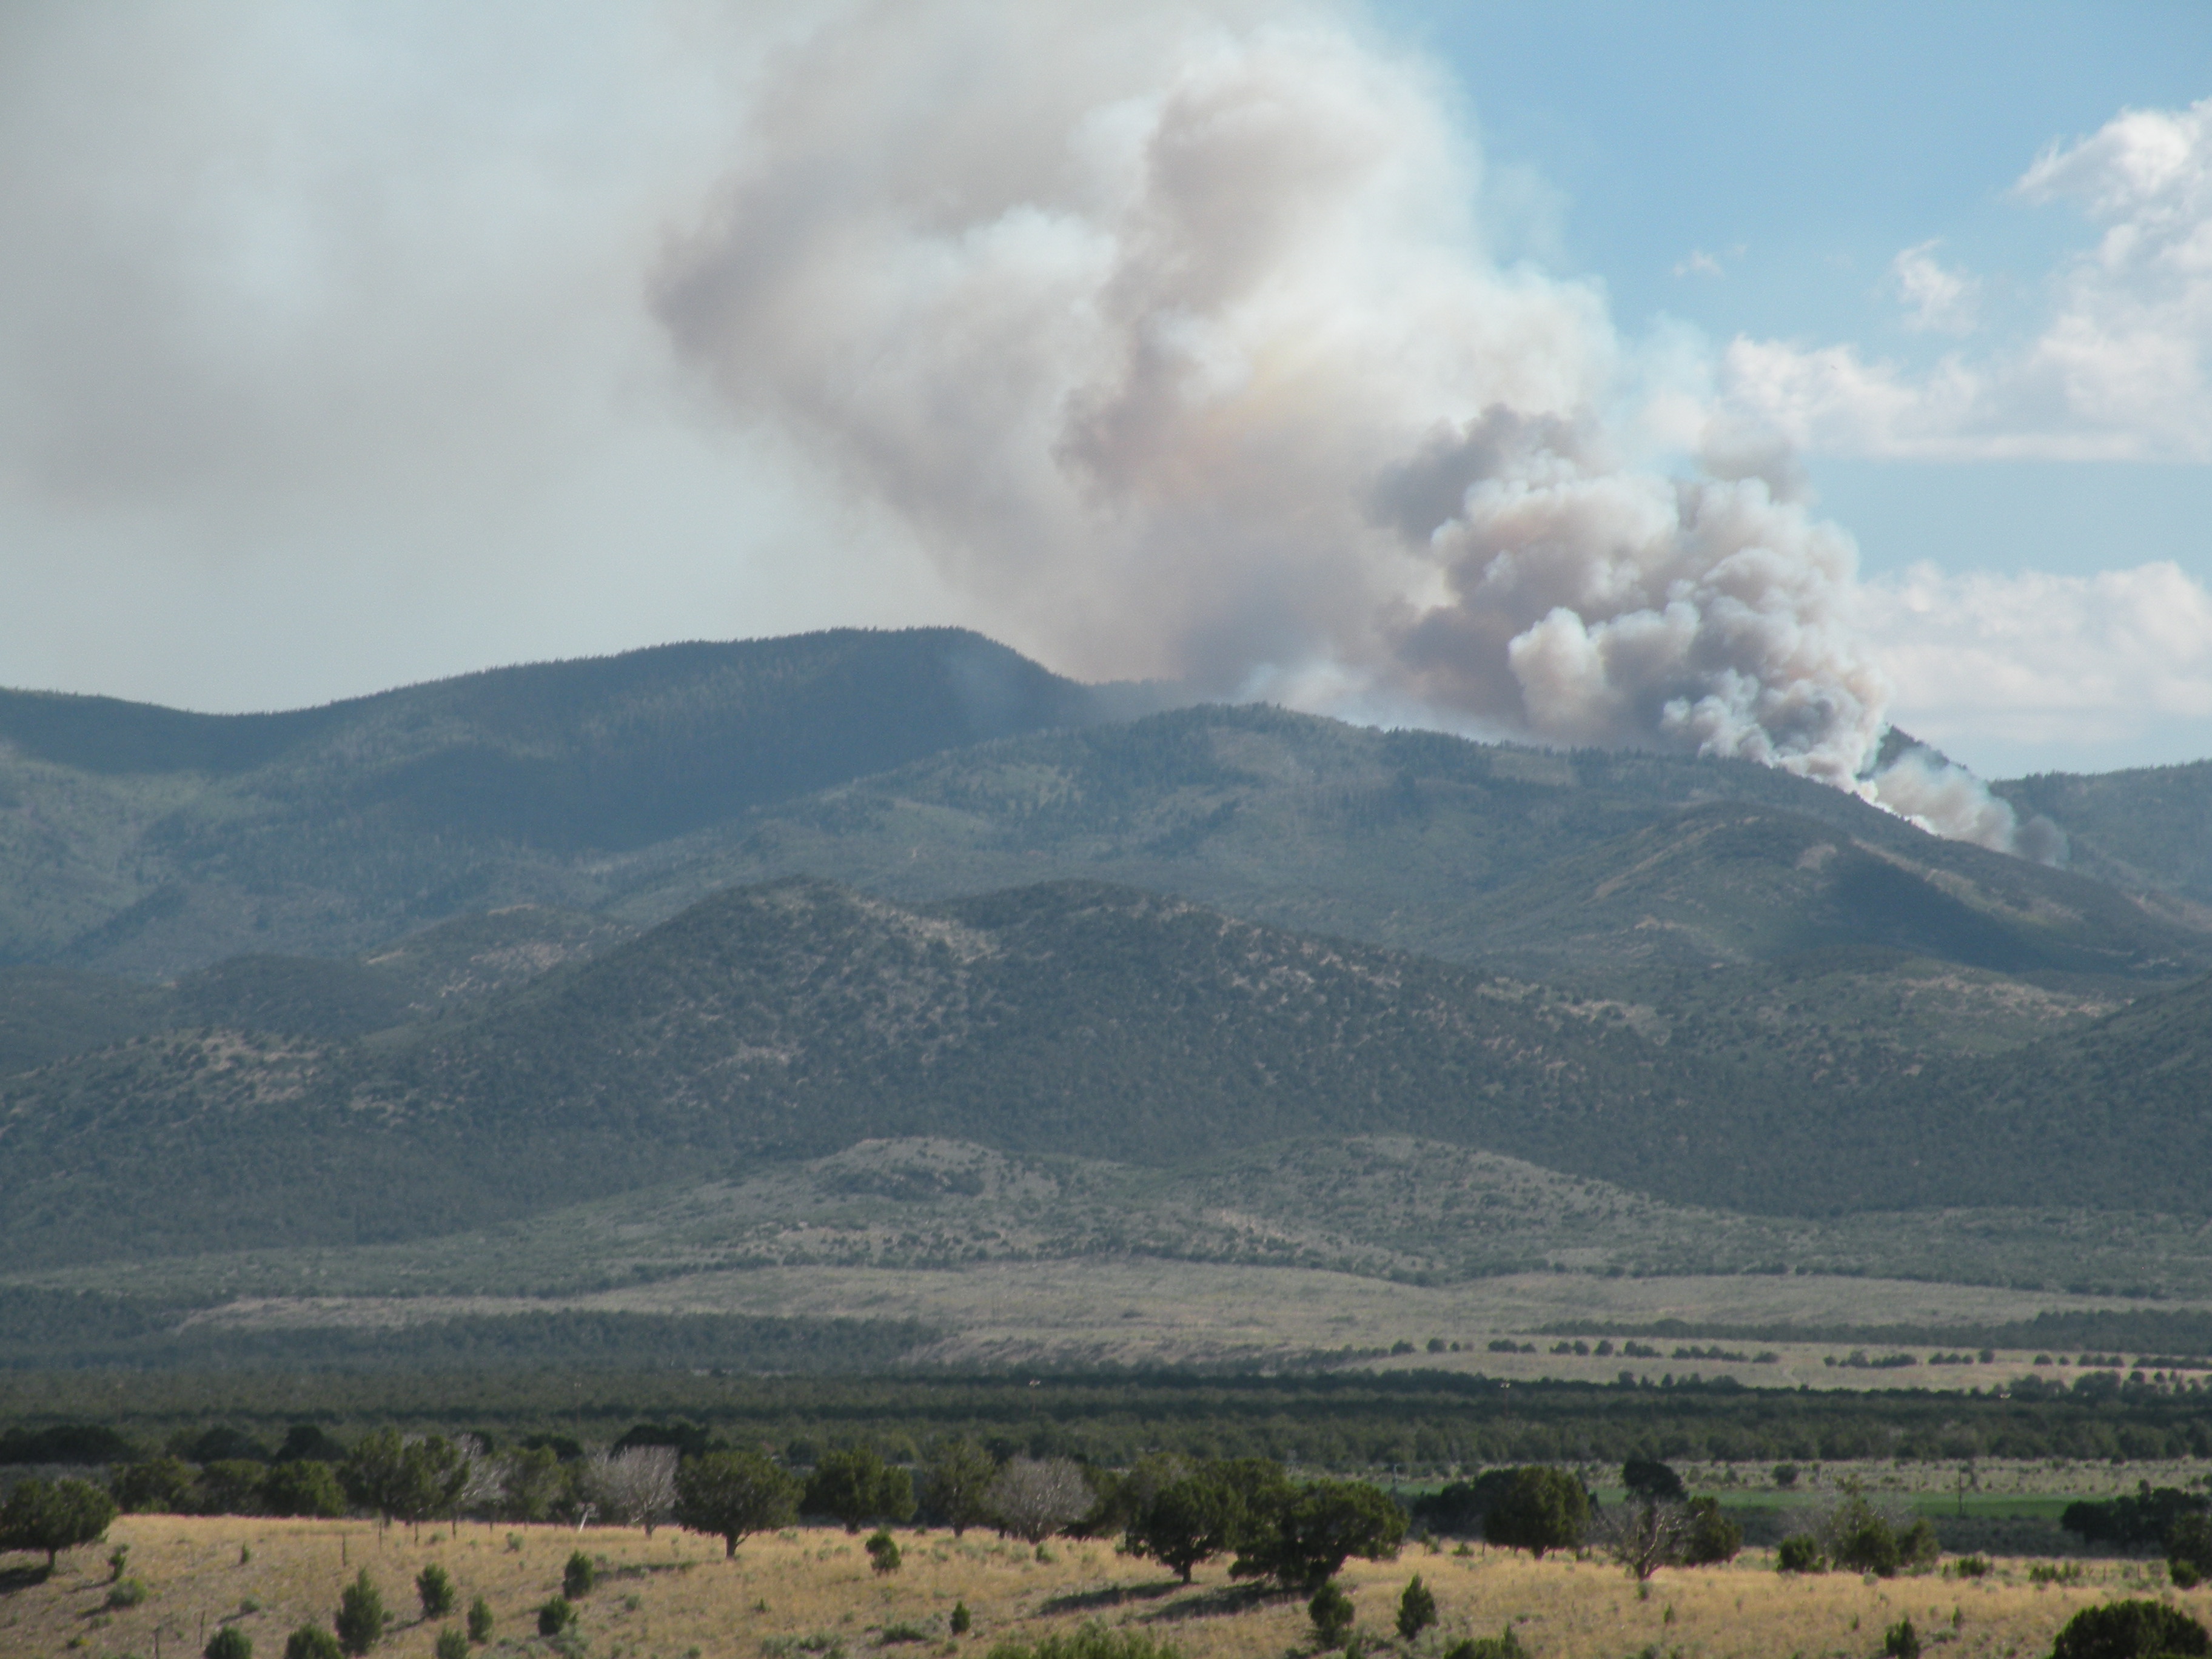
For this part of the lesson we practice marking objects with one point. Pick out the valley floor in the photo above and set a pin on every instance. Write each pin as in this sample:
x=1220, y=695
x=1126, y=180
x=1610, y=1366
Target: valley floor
x=810, y=1592
x=1137, y=1310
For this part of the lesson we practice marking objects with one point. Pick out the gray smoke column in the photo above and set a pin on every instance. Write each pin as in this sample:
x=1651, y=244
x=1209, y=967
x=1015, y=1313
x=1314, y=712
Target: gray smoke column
x=1175, y=339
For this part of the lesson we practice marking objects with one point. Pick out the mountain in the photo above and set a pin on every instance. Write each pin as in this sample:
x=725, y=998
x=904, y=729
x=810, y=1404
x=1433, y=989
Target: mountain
x=49, y=1013
x=1471, y=852
x=790, y=1020
x=2147, y=829
x=149, y=842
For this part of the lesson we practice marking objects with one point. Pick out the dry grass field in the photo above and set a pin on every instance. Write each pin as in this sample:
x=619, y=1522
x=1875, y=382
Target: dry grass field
x=810, y=1594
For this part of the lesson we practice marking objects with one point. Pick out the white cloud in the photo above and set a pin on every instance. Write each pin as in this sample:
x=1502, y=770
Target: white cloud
x=2118, y=370
x=2077, y=666
x=1937, y=300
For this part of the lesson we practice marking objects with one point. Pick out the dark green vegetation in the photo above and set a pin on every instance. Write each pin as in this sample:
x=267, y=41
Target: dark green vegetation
x=1422, y=1424
x=789, y=1020
x=2131, y=1629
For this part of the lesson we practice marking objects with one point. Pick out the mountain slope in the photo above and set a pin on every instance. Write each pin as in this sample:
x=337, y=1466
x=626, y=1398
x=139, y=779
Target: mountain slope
x=1068, y=1019
x=2148, y=830
x=793, y=1020
x=1426, y=842
x=47, y=1014
x=149, y=840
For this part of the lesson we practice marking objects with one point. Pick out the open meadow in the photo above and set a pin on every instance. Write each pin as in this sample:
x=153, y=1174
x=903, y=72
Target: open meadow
x=811, y=1592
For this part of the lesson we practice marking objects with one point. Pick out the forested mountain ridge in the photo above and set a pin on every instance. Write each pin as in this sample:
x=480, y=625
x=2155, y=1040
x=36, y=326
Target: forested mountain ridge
x=148, y=841
x=789, y=1020
x=1587, y=860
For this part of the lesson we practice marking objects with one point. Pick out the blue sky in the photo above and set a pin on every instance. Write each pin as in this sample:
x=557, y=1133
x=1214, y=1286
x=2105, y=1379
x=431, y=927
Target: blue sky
x=344, y=345
x=1802, y=146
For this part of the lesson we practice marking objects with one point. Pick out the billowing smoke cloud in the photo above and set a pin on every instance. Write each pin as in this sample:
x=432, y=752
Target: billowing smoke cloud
x=1176, y=341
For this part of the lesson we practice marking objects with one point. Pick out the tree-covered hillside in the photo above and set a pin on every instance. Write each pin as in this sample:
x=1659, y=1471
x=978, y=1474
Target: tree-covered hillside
x=149, y=840
x=793, y=1020
x=1585, y=860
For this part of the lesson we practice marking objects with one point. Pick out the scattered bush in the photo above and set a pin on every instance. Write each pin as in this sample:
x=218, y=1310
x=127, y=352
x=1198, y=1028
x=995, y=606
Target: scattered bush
x=310, y=1642
x=126, y=1593
x=1709, y=1535
x=1330, y=1610
x=1417, y=1609
x=578, y=1576
x=1800, y=1552
x=361, y=1618
x=1972, y=1566
x=228, y=1643
x=1503, y=1645
x=884, y=1550
x=433, y=1587
x=452, y=1643
x=962, y=1619
x=1901, y=1641
x=480, y=1621
x=1090, y=1641
x=556, y=1616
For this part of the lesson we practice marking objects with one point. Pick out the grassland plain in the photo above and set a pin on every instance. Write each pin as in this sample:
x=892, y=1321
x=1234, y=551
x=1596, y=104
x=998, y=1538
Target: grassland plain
x=810, y=1591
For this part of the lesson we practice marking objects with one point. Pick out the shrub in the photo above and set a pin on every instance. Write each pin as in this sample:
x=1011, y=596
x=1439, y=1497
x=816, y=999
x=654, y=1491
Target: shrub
x=361, y=1618
x=1034, y=1497
x=1417, y=1609
x=2130, y=1630
x=556, y=1616
x=452, y=1643
x=1647, y=1477
x=1800, y=1552
x=2189, y=1551
x=1331, y=1612
x=54, y=1516
x=126, y=1593
x=1541, y=1508
x=1709, y=1536
x=962, y=1619
x=433, y=1587
x=733, y=1495
x=228, y=1643
x=1917, y=1546
x=1901, y=1641
x=480, y=1623
x=304, y=1488
x=1503, y=1645
x=1972, y=1566
x=1090, y=1641
x=578, y=1576
x=157, y=1485
x=883, y=1551
x=310, y=1642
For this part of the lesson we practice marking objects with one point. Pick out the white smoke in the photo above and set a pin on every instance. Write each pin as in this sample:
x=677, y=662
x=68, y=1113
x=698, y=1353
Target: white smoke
x=1176, y=342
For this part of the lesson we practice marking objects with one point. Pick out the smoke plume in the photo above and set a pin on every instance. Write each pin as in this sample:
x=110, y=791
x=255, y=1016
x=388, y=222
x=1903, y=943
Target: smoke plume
x=1180, y=344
